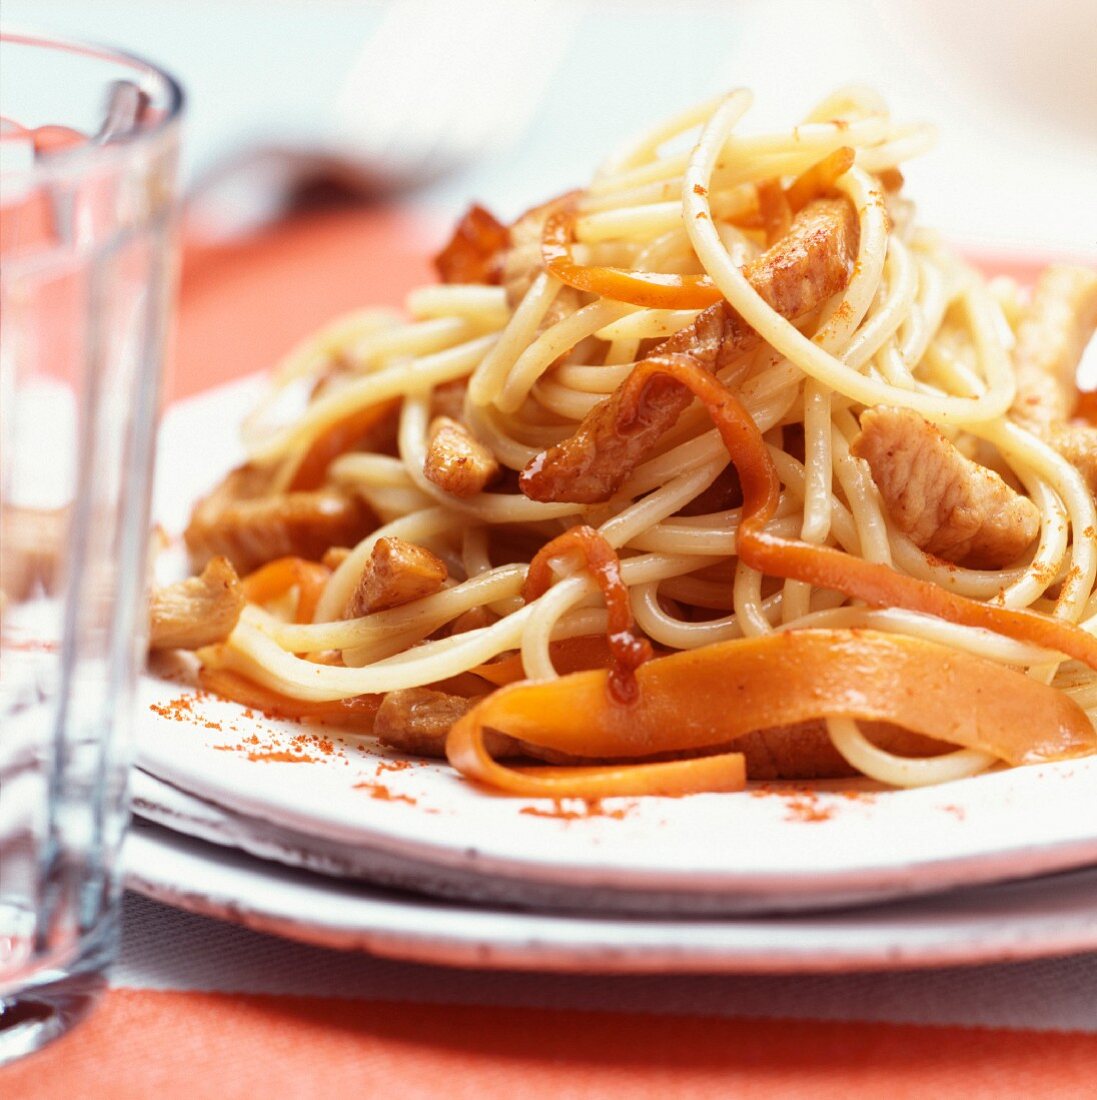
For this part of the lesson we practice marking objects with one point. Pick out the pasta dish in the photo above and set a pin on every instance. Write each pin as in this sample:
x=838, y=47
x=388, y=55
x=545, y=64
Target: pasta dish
x=719, y=468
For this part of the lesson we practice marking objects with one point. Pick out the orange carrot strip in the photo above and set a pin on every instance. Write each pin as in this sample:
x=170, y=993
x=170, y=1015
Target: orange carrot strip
x=336, y=441
x=819, y=178
x=776, y=213
x=1087, y=407
x=642, y=288
x=276, y=578
x=568, y=655
x=698, y=699
x=355, y=713
x=629, y=650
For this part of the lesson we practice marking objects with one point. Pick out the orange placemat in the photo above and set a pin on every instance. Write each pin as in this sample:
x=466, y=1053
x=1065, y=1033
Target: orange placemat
x=242, y=306
x=194, y=1046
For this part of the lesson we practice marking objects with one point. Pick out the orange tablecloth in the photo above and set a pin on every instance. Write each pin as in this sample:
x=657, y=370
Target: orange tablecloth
x=242, y=307
x=200, y=1045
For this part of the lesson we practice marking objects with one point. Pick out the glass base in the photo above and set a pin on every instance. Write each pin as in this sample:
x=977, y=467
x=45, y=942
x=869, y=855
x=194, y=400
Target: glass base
x=30, y=1020
x=55, y=999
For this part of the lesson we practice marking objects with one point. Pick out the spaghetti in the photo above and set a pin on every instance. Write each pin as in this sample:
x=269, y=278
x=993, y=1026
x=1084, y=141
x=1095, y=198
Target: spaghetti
x=625, y=435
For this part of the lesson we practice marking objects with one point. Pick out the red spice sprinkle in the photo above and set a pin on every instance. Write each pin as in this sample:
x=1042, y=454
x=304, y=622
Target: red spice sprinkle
x=259, y=744
x=281, y=757
x=33, y=645
x=807, y=808
x=802, y=803
x=394, y=765
x=383, y=794
x=586, y=808
x=957, y=812
x=277, y=756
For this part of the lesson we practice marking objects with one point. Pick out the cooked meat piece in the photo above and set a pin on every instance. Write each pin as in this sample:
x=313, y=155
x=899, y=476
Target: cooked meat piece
x=795, y=276
x=1076, y=441
x=416, y=721
x=474, y=252
x=238, y=521
x=396, y=573
x=448, y=399
x=949, y=506
x=522, y=261
x=456, y=460
x=725, y=492
x=1051, y=338
x=31, y=540
x=805, y=751
x=198, y=611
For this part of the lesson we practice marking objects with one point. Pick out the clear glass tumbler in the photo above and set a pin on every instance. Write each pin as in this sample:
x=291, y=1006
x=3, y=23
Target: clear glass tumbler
x=88, y=144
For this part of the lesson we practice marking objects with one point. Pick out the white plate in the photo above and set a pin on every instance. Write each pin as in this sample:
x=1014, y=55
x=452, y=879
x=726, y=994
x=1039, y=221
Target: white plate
x=705, y=853
x=1056, y=916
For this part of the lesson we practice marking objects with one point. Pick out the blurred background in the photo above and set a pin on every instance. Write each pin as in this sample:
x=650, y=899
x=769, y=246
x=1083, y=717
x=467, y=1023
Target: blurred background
x=512, y=100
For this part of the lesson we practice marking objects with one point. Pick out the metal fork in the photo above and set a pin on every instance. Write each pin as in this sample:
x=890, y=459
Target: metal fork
x=437, y=86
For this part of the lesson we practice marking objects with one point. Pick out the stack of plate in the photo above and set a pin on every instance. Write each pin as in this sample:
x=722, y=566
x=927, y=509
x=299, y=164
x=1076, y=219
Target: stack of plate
x=321, y=838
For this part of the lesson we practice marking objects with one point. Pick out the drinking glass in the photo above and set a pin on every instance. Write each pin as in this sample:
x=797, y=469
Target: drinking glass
x=88, y=145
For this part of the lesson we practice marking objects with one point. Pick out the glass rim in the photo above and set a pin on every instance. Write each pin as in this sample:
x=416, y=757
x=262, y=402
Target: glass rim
x=87, y=155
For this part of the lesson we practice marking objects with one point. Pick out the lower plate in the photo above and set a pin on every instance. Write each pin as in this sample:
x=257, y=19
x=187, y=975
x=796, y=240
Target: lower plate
x=1039, y=917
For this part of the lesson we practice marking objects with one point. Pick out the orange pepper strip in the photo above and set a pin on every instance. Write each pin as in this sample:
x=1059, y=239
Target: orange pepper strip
x=336, y=441
x=356, y=713
x=568, y=655
x=819, y=178
x=823, y=566
x=773, y=205
x=628, y=649
x=641, y=288
x=1087, y=407
x=696, y=699
x=276, y=578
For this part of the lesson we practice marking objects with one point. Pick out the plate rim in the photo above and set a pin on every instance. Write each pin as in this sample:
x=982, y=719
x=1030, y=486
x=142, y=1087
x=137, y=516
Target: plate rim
x=440, y=933
x=1077, y=846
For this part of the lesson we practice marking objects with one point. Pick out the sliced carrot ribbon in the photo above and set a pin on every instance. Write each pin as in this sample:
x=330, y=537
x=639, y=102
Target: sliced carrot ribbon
x=1087, y=407
x=628, y=648
x=276, y=578
x=700, y=699
x=568, y=655
x=656, y=290
x=336, y=441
